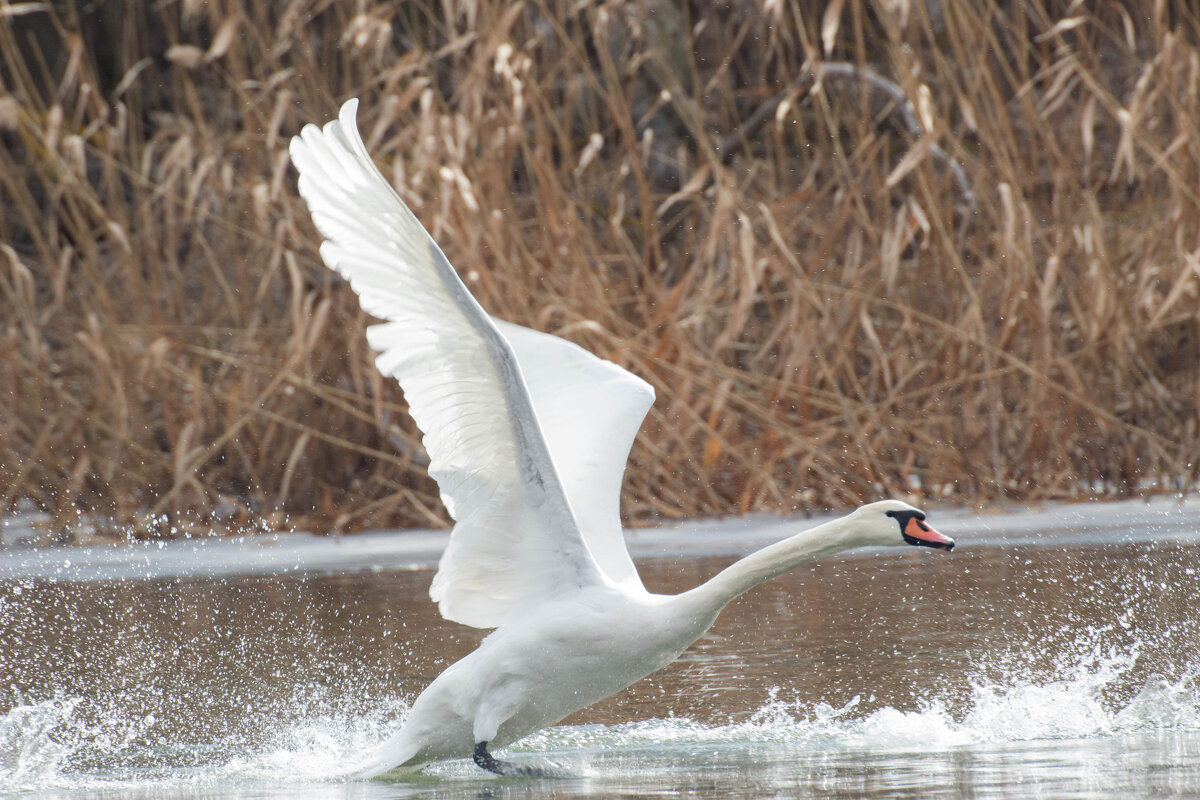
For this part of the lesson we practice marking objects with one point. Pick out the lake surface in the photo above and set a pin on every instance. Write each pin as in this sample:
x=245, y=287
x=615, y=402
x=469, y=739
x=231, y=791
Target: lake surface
x=1050, y=655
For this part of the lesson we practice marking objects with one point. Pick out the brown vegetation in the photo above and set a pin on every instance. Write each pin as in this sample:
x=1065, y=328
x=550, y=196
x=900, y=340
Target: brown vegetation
x=829, y=310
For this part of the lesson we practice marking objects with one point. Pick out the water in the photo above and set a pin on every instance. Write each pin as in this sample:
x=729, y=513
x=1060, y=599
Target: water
x=1042, y=658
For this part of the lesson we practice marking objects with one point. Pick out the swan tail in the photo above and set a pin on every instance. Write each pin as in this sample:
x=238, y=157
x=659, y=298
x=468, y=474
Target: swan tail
x=394, y=753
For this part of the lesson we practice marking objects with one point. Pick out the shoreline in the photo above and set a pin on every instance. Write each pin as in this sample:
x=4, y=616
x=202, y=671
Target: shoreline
x=1148, y=520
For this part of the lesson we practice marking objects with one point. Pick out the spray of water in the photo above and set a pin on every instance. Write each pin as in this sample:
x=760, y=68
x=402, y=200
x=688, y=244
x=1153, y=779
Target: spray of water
x=60, y=742
x=1018, y=708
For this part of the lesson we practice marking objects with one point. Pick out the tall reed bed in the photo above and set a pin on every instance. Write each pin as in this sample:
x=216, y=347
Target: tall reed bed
x=921, y=249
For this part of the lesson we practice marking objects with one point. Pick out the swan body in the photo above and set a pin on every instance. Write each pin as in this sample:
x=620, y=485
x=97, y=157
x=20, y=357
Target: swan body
x=533, y=673
x=527, y=436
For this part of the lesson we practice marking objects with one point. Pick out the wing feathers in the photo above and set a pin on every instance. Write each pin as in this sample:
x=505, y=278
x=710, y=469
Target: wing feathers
x=516, y=542
x=590, y=411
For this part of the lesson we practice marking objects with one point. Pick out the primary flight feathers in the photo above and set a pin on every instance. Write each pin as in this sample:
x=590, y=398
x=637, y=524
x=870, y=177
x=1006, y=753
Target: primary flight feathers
x=527, y=433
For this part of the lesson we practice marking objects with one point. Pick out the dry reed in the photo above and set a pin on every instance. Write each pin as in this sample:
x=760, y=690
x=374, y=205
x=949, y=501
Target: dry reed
x=961, y=262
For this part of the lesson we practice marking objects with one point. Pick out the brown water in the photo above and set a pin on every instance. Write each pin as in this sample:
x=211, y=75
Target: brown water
x=1069, y=668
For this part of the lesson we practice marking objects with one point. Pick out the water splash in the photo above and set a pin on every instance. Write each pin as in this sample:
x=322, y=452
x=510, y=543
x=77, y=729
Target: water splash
x=68, y=742
x=30, y=755
x=318, y=748
x=1072, y=703
x=74, y=743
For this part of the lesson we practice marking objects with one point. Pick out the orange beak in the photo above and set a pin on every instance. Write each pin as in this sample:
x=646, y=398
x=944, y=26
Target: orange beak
x=918, y=533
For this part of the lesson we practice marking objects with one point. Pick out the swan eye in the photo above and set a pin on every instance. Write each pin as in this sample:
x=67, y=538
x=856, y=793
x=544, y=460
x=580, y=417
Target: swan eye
x=903, y=517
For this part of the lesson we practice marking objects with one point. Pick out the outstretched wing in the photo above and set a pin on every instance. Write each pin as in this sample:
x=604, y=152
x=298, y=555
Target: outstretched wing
x=590, y=411
x=516, y=542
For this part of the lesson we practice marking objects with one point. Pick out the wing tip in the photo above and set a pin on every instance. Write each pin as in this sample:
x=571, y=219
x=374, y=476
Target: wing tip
x=348, y=115
x=346, y=123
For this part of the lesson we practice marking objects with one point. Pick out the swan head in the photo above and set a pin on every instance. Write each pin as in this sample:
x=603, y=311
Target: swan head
x=889, y=522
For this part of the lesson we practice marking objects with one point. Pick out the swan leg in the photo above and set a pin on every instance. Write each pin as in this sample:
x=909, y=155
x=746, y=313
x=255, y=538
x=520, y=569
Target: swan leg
x=506, y=768
x=489, y=762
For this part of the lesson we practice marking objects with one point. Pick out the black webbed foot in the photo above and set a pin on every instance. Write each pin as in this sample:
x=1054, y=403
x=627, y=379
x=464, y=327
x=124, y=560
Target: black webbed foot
x=506, y=768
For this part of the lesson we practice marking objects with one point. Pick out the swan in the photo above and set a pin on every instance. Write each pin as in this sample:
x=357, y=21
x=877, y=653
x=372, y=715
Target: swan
x=527, y=436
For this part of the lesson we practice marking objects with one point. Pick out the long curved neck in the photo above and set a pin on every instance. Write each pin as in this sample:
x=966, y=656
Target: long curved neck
x=775, y=559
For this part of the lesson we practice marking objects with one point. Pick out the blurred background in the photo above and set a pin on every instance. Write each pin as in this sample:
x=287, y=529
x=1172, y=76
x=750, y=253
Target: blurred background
x=940, y=251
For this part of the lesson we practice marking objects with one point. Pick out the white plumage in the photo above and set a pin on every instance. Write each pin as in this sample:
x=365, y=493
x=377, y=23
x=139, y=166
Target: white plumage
x=527, y=436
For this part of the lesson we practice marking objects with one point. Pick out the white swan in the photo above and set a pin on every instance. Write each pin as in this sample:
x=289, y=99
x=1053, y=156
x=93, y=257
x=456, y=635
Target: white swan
x=527, y=436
